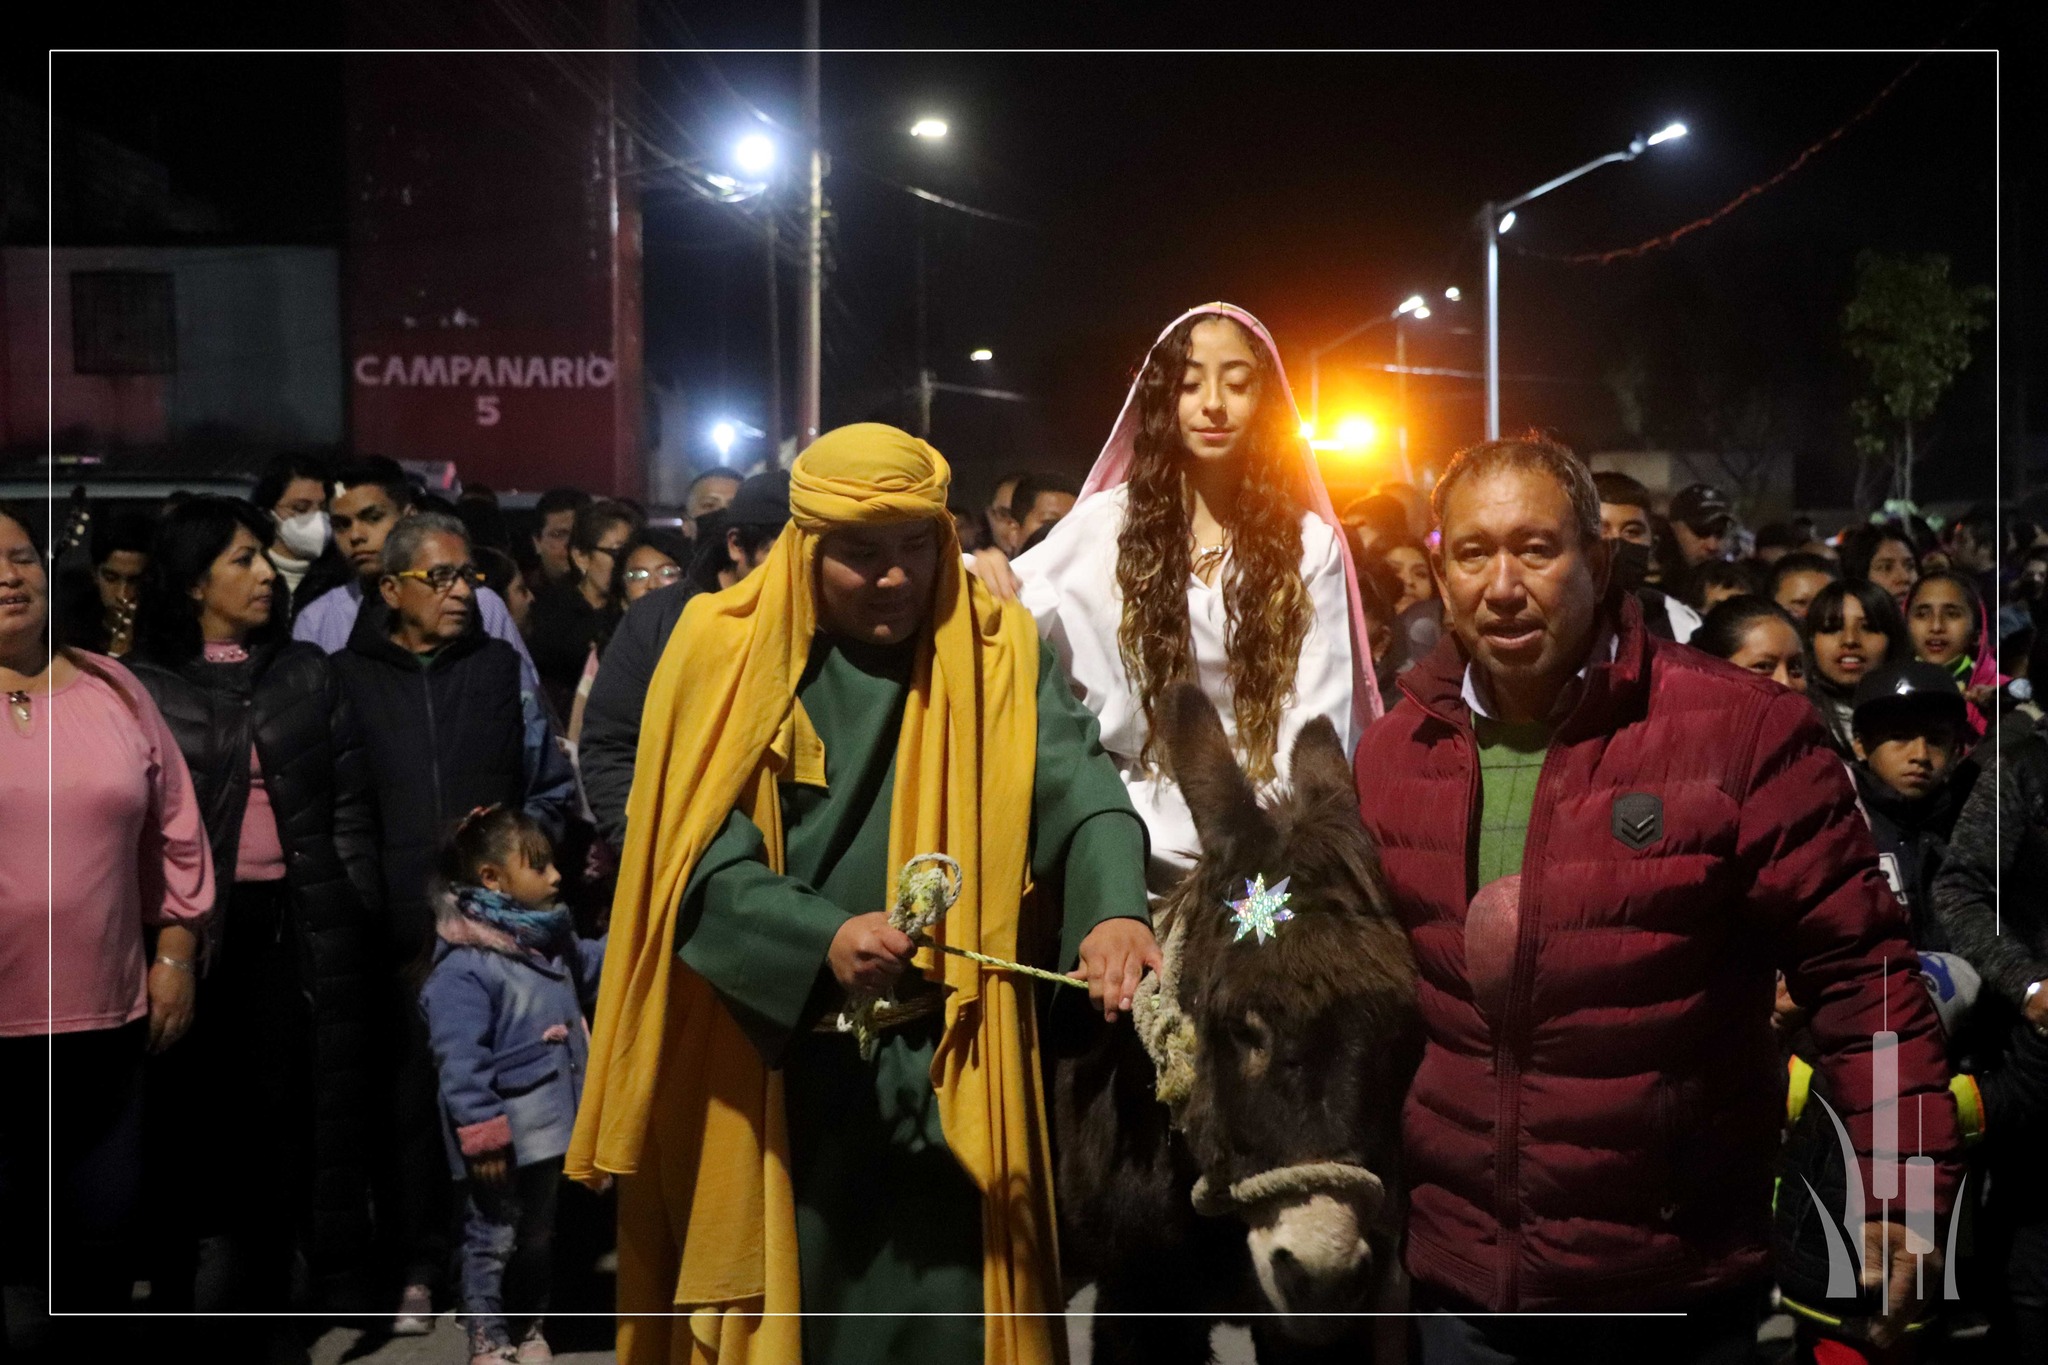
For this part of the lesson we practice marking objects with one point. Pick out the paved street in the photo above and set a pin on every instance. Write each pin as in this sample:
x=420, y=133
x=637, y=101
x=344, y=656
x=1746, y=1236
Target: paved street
x=345, y=1346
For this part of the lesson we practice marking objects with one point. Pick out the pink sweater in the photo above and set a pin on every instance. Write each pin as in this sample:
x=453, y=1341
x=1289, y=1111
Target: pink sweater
x=114, y=843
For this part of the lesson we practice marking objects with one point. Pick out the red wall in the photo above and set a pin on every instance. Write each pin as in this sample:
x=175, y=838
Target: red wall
x=89, y=410
x=493, y=271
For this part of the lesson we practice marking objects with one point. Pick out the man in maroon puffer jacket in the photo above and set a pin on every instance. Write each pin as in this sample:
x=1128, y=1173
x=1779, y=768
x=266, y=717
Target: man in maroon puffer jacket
x=1604, y=846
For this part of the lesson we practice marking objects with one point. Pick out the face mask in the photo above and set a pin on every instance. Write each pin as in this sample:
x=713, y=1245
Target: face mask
x=1631, y=564
x=305, y=535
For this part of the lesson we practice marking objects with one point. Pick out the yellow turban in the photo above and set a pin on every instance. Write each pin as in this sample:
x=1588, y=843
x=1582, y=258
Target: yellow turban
x=678, y=1102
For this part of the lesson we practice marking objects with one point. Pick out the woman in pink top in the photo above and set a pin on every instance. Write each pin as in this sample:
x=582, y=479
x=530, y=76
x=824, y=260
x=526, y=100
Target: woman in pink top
x=103, y=841
x=280, y=1068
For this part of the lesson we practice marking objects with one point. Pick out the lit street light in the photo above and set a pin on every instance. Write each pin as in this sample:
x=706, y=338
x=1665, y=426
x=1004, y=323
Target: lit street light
x=982, y=355
x=1497, y=218
x=1414, y=307
x=926, y=129
x=1356, y=433
x=754, y=154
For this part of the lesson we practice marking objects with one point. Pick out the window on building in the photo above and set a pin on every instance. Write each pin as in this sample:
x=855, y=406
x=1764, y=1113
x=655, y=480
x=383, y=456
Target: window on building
x=122, y=322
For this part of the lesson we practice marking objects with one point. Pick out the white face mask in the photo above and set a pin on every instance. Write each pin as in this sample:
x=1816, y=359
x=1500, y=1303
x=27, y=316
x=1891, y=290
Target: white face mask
x=304, y=535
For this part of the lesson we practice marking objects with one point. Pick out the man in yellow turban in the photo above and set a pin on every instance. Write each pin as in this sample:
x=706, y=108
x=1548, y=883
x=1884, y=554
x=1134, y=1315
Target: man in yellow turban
x=858, y=701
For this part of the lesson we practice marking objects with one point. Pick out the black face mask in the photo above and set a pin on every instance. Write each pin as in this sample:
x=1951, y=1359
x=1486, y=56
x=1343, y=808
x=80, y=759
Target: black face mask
x=1631, y=564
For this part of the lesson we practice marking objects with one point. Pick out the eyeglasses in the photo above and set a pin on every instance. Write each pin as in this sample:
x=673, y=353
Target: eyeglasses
x=442, y=577
x=667, y=573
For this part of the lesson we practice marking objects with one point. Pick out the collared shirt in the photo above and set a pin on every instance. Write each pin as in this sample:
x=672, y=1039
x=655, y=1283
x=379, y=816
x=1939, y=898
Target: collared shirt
x=1603, y=650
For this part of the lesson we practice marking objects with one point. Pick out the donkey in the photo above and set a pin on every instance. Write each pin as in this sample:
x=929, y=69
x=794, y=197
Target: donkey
x=1288, y=1133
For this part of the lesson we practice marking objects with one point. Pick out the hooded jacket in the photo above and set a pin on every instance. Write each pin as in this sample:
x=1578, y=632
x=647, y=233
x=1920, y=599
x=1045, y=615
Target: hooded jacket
x=508, y=1033
x=1912, y=841
x=446, y=732
x=1601, y=1136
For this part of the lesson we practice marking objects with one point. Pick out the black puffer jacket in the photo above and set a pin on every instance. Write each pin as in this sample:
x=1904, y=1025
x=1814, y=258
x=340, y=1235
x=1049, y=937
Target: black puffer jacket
x=288, y=702
x=445, y=734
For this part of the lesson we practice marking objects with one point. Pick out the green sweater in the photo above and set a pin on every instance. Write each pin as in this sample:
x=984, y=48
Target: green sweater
x=1510, y=761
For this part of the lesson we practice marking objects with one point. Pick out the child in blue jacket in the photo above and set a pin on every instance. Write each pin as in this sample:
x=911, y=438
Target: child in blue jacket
x=505, y=1003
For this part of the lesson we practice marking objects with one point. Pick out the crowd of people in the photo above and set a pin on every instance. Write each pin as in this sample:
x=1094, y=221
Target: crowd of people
x=339, y=818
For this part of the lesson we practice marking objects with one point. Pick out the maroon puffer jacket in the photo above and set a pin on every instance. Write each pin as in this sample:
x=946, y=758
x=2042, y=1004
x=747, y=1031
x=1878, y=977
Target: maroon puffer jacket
x=1594, y=1127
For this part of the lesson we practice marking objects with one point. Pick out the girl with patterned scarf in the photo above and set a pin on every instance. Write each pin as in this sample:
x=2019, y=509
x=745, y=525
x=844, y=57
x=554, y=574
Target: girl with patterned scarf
x=505, y=1004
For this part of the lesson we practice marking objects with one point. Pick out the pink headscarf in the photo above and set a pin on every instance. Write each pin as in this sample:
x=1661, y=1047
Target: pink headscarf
x=1113, y=468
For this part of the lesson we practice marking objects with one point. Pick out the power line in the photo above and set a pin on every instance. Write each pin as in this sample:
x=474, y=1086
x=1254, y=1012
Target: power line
x=1672, y=237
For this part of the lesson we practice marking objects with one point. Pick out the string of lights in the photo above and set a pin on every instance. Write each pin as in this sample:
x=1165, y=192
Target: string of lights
x=1761, y=187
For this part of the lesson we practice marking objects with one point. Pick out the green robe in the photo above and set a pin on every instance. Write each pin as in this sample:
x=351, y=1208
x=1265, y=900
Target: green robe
x=887, y=1222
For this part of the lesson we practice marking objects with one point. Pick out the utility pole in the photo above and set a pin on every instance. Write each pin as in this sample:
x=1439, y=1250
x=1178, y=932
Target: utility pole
x=1401, y=387
x=774, y=423
x=1489, y=224
x=924, y=370
x=810, y=328
x=1496, y=218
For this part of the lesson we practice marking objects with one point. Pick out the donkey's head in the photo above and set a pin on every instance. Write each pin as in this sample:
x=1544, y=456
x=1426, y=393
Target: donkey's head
x=1305, y=1042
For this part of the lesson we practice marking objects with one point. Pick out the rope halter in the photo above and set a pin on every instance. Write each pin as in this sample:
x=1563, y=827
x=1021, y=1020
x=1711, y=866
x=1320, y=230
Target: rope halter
x=1292, y=1183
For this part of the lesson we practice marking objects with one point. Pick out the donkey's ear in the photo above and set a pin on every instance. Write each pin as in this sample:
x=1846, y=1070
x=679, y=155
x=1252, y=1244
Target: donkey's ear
x=1224, y=805
x=1317, y=767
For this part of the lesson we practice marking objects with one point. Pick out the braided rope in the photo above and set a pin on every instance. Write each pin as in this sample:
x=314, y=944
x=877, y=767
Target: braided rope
x=1167, y=1033
x=1290, y=1182
x=926, y=889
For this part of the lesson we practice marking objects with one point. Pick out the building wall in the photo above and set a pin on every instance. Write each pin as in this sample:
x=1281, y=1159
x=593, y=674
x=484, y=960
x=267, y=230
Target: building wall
x=494, y=269
x=257, y=349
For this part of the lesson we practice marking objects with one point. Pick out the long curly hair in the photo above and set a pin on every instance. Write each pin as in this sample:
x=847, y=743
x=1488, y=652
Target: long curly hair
x=1264, y=596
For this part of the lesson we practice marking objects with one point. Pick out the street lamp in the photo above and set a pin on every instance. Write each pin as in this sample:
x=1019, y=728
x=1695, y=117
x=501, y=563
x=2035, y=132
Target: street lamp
x=1415, y=307
x=754, y=154
x=930, y=130
x=723, y=434
x=1497, y=218
x=981, y=355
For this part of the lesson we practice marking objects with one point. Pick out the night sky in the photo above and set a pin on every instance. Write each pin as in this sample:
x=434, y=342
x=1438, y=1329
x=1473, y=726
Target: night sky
x=1315, y=189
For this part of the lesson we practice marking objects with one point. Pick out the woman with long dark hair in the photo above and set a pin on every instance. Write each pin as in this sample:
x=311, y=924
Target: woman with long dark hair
x=278, y=1071
x=1852, y=630
x=1946, y=617
x=1881, y=554
x=1204, y=549
x=103, y=845
x=1756, y=634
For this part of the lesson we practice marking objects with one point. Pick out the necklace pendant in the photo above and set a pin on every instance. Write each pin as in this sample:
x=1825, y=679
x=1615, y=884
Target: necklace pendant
x=18, y=702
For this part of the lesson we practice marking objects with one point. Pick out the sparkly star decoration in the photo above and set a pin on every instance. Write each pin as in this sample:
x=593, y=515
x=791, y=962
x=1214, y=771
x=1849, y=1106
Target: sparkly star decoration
x=1262, y=911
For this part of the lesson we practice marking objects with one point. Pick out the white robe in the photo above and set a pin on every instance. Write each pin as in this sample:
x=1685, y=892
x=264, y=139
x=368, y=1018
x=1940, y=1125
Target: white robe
x=1069, y=584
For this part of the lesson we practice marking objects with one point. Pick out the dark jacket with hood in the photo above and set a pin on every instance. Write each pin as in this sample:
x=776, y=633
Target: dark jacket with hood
x=611, y=715
x=446, y=733
x=1593, y=1125
x=1912, y=842
x=286, y=701
x=509, y=1038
